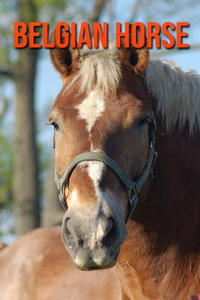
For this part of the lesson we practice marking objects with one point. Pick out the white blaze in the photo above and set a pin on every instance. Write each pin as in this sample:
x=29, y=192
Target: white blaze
x=91, y=108
x=95, y=171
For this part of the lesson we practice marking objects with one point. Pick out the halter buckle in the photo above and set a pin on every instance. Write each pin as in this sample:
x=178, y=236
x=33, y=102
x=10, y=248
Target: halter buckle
x=133, y=199
x=133, y=202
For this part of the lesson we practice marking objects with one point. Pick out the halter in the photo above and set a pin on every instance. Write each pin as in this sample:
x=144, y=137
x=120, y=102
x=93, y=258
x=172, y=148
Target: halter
x=133, y=187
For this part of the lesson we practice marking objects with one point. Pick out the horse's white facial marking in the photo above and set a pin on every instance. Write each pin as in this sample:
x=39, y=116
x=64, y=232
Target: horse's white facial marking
x=74, y=197
x=96, y=235
x=95, y=171
x=91, y=108
x=106, y=198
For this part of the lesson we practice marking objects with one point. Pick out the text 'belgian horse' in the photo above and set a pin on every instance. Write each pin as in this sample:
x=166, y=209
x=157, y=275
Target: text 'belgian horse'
x=104, y=139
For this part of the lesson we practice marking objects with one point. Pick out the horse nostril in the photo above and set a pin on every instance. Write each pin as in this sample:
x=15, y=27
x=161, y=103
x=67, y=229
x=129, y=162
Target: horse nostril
x=109, y=226
x=67, y=225
x=80, y=243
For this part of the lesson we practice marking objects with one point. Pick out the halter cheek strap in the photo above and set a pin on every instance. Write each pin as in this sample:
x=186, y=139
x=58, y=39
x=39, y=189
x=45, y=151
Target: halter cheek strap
x=133, y=187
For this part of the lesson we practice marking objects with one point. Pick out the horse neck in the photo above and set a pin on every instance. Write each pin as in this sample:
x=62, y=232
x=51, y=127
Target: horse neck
x=173, y=198
x=163, y=238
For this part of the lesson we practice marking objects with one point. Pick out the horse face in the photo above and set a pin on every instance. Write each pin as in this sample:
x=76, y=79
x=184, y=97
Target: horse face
x=96, y=113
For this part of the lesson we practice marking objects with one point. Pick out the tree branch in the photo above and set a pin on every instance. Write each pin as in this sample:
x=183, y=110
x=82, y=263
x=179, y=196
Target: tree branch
x=134, y=11
x=96, y=13
x=6, y=72
x=4, y=108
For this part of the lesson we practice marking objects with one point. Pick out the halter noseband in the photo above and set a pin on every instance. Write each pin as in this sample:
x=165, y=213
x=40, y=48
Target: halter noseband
x=133, y=187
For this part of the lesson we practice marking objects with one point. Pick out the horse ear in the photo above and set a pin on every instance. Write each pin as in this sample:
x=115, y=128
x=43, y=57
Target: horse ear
x=138, y=58
x=63, y=59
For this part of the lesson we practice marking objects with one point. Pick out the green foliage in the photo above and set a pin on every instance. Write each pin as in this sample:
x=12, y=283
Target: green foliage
x=6, y=170
x=58, y=4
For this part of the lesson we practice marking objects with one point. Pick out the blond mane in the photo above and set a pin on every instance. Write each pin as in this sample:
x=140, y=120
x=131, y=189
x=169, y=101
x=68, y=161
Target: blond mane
x=177, y=94
x=100, y=67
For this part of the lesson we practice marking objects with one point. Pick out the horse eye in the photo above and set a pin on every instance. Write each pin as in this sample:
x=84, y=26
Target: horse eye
x=143, y=122
x=55, y=125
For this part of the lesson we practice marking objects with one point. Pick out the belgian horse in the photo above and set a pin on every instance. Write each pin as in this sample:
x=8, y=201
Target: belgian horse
x=104, y=123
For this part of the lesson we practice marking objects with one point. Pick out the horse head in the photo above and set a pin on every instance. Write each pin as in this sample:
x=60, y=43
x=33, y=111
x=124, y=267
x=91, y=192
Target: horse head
x=102, y=120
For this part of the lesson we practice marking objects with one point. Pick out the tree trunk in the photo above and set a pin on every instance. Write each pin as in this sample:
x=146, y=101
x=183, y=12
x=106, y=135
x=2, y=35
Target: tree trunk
x=25, y=186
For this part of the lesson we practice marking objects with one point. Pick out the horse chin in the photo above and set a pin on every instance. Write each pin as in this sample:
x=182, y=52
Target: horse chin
x=87, y=259
x=94, y=264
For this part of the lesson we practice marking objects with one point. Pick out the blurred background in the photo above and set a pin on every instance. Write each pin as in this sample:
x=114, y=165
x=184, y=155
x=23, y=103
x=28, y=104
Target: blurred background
x=29, y=85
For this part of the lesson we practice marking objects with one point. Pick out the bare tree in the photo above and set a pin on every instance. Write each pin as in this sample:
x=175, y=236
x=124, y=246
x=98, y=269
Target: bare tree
x=25, y=181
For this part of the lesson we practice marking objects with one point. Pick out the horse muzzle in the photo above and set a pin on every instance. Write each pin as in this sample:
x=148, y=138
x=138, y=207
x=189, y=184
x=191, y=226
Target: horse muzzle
x=93, y=243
